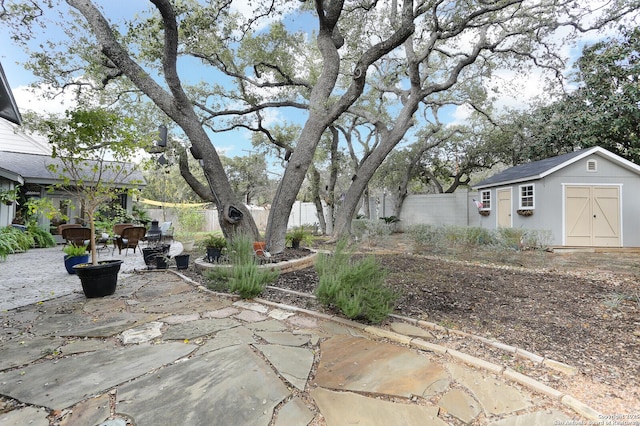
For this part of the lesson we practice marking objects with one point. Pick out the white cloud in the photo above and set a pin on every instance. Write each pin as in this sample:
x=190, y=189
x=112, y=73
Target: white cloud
x=35, y=99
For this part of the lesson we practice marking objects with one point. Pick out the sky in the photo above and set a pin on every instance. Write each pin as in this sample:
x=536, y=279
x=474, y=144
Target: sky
x=12, y=57
x=513, y=91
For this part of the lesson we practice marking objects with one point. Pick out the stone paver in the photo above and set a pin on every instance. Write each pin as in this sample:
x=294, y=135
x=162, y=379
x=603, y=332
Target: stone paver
x=193, y=329
x=229, y=337
x=284, y=338
x=294, y=413
x=346, y=408
x=142, y=334
x=25, y=416
x=90, y=412
x=293, y=363
x=460, y=405
x=210, y=360
x=68, y=381
x=358, y=364
x=410, y=330
x=22, y=350
x=228, y=386
x=495, y=396
x=552, y=417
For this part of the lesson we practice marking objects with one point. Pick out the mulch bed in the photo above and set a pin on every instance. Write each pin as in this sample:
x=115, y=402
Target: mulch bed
x=569, y=309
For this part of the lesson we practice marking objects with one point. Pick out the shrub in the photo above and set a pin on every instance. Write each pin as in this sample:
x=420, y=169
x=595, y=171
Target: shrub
x=356, y=287
x=510, y=237
x=73, y=250
x=244, y=277
x=502, y=243
x=298, y=235
x=14, y=240
x=41, y=237
x=371, y=230
x=215, y=240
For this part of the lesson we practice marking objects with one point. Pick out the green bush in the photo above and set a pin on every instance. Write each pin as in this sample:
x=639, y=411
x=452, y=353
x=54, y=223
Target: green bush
x=356, y=287
x=244, y=277
x=41, y=237
x=73, y=250
x=14, y=240
x=459, y=240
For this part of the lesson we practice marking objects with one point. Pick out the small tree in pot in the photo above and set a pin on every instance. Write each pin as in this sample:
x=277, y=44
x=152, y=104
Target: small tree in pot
x=90, y=153
x=190, y=221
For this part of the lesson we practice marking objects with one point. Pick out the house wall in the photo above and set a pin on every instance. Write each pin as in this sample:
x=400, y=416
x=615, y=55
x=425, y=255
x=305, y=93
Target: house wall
x=549, y=199
x=7, y=213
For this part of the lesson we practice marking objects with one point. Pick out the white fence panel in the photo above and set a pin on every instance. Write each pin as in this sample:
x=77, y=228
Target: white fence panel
x=432, y=209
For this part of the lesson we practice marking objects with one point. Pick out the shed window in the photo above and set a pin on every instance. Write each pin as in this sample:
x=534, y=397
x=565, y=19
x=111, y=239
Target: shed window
x=485, y=198
x=592, y=166
x=527, y=197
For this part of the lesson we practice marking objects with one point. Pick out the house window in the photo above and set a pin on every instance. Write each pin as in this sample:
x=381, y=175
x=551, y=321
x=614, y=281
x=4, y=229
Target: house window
x=526, y=197
x=485, y=198
x=592, y=166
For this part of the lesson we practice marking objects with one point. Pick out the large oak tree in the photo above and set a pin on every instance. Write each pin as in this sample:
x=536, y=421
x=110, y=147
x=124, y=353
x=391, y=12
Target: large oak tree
x=412, y=51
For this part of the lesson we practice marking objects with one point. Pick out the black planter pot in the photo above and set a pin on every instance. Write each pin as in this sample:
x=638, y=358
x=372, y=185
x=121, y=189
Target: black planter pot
x=71, y=261
x=213, y=254
x=149, y=254
x=99, y=280
x=182, y=261
x=160, y=261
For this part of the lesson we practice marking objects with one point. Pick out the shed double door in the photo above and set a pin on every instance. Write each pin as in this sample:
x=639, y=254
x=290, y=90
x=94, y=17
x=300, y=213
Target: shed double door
x=592, y=216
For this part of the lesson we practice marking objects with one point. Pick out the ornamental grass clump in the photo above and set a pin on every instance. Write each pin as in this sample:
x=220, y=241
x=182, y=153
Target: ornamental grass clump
x=356, y=287
x=13, y=240
x=244, y=277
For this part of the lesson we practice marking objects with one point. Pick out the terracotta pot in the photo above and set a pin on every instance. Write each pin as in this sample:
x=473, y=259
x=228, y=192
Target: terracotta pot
x=259, y=247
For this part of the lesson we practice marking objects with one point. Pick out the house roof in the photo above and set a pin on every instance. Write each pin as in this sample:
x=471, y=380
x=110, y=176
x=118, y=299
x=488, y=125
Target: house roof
x=539, y=169
x=8, y=107
x=33, y=168
x=14, y=139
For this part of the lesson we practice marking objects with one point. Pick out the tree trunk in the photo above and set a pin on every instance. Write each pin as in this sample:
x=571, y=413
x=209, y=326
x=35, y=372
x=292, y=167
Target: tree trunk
x=314, y=179
x=233, y=215
x=290, y=184
x=388, y=140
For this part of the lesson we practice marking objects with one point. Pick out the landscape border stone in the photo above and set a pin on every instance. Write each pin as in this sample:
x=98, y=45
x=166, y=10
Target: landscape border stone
x=287, y=266
x=529, y=382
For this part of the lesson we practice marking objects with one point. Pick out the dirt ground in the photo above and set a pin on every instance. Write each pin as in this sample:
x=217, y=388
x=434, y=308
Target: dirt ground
x=582, y=309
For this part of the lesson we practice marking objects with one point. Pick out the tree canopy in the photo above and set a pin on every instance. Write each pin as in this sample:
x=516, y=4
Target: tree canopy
x=391, y=63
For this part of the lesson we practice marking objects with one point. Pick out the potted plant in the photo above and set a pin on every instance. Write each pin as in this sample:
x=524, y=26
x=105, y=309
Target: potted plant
x=74, y=255
x=297, y=236
x=90, y=153
x=214, y=243
x=190, y=221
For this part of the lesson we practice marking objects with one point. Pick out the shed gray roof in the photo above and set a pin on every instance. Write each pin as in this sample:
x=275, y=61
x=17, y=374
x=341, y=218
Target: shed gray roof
x=33, y=168
x=539, y=169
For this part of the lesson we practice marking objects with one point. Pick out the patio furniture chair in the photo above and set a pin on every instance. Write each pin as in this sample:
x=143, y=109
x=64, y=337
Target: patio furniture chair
x=118, y=227
x=66, y=226
x=78, y=236
x=130, y=237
